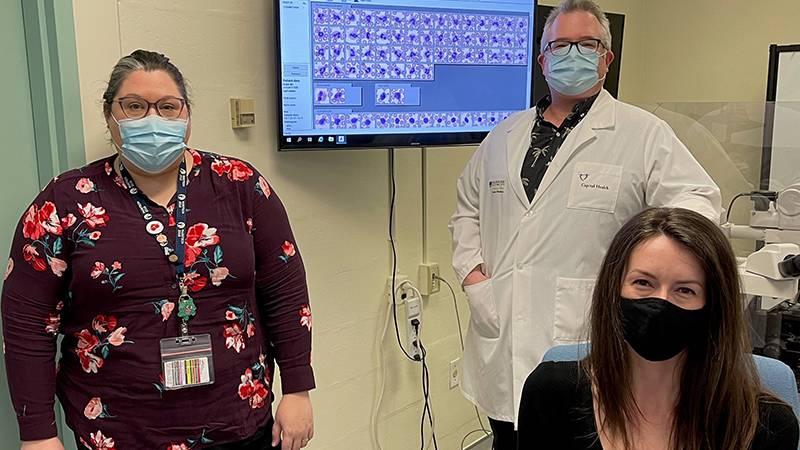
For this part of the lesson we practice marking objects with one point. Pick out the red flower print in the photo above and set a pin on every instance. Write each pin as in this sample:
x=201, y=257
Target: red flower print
x=305, y=317
x=218, y=274
x=68, y=221
x=101, y=442
x=95, y=235
x=177, y=447
x=93, y=409
x=52, y=324
x=194, y=281
x=221, y=166
x=288, y=251
x=87, y=341
x=31, y=228
x=90, y=362
x=241, y=323
x=120, y=182
x=104, y=324
x=95, y=216
x=31, y=255
x=111, y=276
x=9, y=268
x=92, y=349
x=246, y=387
x=260, y=394
x=249, y=223
x=48, y=216
x=171, y=211
x=197, y=158
x=201, y=235
x=53, y=321
x=253, y=389
x=264, y=186
x=233, y=337
x=239, y=171
x=108, y=168
x=117, y=338
x=166, y=310
x=198, y=236
x=84, y=186
x=97, y=270
x=58, y=266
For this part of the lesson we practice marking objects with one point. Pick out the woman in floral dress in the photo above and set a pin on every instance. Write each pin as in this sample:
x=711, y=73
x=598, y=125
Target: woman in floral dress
x=174, y=278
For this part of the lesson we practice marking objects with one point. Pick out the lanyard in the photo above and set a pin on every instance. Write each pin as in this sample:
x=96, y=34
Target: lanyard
x=154, y=227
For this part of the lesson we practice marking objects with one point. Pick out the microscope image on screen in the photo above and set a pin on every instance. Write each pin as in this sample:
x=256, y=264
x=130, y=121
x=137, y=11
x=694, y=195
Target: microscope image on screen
x=372, y=59
x=392, y=72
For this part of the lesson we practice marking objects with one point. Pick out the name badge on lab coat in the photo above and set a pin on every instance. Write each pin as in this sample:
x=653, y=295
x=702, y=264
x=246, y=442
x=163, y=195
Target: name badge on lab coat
x=595, y=187
x=497, y=186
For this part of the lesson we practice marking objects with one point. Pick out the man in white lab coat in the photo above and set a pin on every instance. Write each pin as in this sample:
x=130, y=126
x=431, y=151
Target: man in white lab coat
x=540, y=201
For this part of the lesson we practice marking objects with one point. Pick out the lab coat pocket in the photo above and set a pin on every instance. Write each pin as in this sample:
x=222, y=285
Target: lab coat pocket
x=483, y=310
x=573, y=297
x=594, y=187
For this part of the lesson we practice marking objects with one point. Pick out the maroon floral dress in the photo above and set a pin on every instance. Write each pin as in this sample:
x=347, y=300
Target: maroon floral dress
x=83, y=266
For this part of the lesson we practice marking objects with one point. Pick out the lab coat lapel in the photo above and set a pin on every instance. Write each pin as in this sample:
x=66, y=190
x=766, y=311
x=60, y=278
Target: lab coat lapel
x=518, y=140
x=600, y=116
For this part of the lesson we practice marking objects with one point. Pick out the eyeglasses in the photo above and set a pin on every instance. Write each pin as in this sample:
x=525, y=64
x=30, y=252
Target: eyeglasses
x=585, y=47
x=136, y=107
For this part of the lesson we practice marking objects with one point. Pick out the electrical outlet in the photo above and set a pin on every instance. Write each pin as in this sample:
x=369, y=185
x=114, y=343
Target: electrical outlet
x=455, y=373
x=428, y=275
x=398, y=280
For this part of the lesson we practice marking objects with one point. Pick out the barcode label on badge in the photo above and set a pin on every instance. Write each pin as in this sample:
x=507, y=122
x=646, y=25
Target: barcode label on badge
x=186, y=372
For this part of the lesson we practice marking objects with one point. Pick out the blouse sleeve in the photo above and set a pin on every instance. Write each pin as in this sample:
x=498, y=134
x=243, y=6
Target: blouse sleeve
x=32, y=299
x=281, y=289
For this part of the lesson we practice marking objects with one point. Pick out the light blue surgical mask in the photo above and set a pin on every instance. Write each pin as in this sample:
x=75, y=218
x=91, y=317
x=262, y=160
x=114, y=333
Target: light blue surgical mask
x=572, y=74
x=152, y=144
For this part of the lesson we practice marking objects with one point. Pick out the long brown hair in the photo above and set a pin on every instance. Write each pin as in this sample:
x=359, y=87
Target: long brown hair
x=717, y=406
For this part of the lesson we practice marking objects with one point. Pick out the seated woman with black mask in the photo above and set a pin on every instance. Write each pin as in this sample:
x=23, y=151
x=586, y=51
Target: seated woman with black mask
x=669, y=366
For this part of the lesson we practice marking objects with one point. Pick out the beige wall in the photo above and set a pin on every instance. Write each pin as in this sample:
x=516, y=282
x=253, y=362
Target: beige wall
x=338, y=201
x=716, y=51
x=713, y=50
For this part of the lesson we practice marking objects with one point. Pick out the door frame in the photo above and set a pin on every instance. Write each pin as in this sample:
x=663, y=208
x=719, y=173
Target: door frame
x=49, y=28
x=55, y=88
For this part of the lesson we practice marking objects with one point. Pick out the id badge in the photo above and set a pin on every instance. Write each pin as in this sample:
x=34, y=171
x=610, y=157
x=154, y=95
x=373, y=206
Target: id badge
x=187, y=361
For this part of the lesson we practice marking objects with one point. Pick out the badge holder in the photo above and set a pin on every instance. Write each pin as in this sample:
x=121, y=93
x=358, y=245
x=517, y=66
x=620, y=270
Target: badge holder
x=187, y=361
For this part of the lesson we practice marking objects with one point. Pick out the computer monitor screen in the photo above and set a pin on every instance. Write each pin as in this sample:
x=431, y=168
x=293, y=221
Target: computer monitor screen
x=392, y=73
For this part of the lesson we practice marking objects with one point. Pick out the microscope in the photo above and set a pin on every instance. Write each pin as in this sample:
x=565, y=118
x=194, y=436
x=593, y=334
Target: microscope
x=770, y=274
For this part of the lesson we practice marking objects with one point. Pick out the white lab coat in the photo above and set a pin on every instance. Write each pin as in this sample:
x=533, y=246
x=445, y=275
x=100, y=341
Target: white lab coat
x=542, y=256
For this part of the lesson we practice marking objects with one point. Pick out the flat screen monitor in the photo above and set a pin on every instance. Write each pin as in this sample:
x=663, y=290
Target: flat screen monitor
x=395, y=73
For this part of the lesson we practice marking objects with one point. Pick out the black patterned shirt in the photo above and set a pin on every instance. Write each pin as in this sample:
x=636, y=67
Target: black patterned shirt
x=546, y=139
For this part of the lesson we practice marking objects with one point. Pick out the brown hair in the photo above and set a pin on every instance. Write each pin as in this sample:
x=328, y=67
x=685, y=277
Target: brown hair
x=719, y=391
x=141, y=60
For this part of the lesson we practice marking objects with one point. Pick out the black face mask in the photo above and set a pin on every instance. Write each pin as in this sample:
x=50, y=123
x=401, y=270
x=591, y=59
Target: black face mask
x=657, y=329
